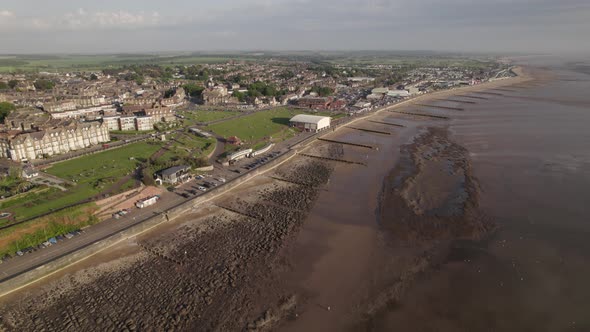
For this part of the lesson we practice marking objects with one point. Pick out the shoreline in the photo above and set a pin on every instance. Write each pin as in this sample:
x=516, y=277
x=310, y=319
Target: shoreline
x=523, y=77
x=306, y=145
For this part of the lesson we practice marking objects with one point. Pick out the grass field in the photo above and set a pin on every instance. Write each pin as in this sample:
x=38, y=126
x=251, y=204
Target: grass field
x=188, y=146
x=37, y=231
x=255, y=127
x=262, y=127
x=92, y=174
x=208, y=116
x=112, y=163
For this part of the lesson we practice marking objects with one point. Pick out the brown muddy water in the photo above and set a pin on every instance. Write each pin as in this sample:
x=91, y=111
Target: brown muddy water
x=530, y=153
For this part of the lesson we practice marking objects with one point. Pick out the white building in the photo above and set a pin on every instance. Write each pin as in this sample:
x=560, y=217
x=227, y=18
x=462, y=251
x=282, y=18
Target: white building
x=398, y=93
x=127, y=123
x=112, y=122
x=239, y=155
x=143, y=123
x=312, y=123
x=47, y=143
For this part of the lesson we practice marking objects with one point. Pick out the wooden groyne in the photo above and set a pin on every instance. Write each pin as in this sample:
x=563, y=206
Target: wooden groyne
x=388, y=123
x=245, y=214
x=370, y=130
x=346, y=143
x=473, y=97
x=443, y=107
x=333, y=159
x=489, y=93
x=459, y=101
x=303, y=184
x=421, y=114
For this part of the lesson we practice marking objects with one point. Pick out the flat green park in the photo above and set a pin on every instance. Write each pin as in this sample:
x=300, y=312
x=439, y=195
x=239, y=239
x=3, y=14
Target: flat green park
x=90, y=176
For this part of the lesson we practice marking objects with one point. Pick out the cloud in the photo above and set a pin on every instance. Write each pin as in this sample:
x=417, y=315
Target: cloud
x=6, y=13
x=502, y=25
x=86, y=20
x=105, y=19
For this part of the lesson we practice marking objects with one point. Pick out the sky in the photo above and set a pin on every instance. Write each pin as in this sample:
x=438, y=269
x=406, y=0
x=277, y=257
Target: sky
x=112, y=26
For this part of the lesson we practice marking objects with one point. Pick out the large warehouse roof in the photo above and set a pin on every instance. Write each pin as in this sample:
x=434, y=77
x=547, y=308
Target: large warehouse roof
x=305, y=118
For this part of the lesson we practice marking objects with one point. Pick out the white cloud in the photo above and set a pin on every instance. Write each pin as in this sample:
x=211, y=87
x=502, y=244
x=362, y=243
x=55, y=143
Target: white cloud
x=104, y=19
x=6, y=13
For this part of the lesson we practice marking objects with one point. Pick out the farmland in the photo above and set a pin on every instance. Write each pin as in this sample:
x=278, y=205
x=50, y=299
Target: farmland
x=11, y=63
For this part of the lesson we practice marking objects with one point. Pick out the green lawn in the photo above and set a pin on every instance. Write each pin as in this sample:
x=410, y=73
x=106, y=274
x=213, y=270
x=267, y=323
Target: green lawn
x=39, y=230
x=92, y=174
x=259, y=128
x=255, y=127
x=208, y=116
x=112, y=163
x=188, y=146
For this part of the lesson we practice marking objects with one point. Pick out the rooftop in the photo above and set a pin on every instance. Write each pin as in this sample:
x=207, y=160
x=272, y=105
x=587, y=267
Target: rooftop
x=308, y=118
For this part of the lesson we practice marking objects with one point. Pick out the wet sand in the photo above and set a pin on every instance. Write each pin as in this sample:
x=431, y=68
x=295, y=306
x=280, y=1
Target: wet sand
x=328, y=256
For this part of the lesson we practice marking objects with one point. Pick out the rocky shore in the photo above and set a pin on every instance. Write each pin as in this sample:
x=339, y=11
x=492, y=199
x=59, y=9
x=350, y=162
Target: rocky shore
x=215, y=273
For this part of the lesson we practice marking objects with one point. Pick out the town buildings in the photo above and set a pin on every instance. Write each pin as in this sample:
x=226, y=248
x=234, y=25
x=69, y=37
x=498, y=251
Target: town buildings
x=48, y=142
x=173, y=175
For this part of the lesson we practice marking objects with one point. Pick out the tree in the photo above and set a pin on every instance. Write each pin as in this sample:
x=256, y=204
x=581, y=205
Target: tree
x=169, y=93
x=322, y=91
x=240, y=95
x=93, y=77
x=147, y=176
x=193, y=90
x=258, y=89
x=43, y=84
x=12, y=84
x=5, y=109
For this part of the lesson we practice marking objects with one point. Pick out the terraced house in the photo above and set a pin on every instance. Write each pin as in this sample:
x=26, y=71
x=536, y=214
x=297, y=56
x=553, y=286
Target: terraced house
x=46, y=143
